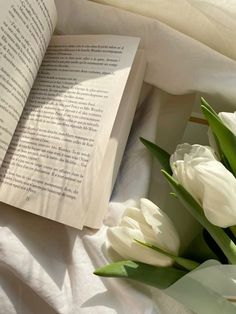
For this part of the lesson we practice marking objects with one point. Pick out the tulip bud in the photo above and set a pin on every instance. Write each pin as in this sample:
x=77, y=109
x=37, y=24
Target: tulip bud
x=210, y=183
x=147, y=224
x=229, y=120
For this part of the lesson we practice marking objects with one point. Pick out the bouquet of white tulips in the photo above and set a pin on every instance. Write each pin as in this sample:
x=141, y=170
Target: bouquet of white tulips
x=203, y=178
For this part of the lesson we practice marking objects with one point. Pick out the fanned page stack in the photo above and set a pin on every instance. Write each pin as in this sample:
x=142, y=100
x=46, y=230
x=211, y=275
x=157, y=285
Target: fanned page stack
x=66, y=108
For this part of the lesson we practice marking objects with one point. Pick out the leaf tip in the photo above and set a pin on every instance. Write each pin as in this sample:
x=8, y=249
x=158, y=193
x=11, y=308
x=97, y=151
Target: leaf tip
x=203, y=100
x=97, y=272
x=165, y=173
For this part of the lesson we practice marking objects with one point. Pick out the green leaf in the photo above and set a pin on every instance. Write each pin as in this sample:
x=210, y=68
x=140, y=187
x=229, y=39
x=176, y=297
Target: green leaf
x=173, y=194
x=214, y=246
x=233, y=230
x=159, y=277
x=223, y=159
x=162, y=156
x=199, y=250
x=226, y=139
x=207, y=106
x=181, y=261
x=220, y=237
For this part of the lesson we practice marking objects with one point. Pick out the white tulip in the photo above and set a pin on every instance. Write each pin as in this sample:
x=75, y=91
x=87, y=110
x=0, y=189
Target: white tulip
x=229, y=119
x=208, y=181
x=147, y=224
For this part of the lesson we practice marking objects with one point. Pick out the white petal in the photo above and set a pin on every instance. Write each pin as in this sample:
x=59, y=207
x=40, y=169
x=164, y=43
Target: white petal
x=185, y=174
x=167, y=237
x=133, y=218
x=219, y=193
x=133, y=213
x=229, y=119
x=196, y=151
x=143, y=226
x=184, y=169
x=122, y=241
x=151, y=213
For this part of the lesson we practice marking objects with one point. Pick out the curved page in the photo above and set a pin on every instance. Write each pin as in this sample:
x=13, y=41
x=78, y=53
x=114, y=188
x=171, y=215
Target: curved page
x=26, y=27
x=60, y=142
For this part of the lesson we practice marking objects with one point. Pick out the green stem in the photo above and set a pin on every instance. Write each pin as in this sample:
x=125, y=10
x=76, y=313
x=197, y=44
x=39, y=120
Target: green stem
x=225, y=243
x=181, y=261
x=233, y=229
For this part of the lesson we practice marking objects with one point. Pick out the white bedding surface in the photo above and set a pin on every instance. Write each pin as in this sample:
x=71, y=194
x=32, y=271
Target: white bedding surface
x=48, y=268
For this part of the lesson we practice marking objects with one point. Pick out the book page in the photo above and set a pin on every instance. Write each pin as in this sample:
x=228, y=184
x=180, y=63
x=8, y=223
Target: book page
x=26, y=27
x=103, y=184
x=59, y=144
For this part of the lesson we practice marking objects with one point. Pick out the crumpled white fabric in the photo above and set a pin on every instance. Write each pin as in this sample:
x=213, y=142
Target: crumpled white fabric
x=47, y=267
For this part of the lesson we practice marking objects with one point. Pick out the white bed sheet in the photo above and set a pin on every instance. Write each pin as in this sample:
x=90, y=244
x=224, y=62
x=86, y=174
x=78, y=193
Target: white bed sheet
x=47, y=268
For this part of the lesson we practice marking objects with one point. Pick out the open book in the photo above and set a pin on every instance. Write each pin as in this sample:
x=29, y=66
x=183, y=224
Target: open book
x=66, y=107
